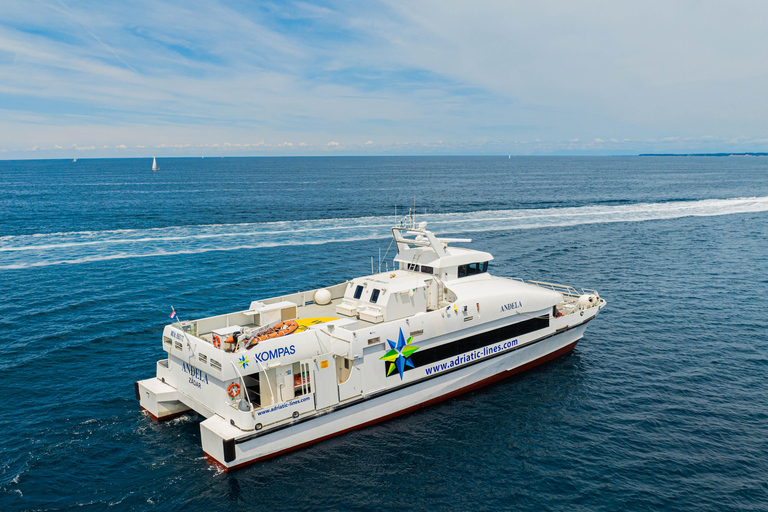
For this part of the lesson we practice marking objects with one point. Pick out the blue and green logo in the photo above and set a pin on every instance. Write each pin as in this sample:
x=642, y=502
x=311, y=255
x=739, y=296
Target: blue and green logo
x=400, y=355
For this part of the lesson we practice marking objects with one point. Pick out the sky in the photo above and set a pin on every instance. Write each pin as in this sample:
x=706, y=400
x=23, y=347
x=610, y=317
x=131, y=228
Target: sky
x=197, y=78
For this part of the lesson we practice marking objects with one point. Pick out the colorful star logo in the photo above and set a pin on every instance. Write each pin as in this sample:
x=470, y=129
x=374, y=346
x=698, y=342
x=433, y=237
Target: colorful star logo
x=243, y=362
x=400, y=355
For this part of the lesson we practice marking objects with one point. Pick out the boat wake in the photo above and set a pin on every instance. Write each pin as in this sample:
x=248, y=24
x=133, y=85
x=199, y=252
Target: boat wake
x=25, y=251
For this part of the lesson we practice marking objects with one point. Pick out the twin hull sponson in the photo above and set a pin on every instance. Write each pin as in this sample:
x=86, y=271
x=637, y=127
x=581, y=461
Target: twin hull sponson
x=293, y=370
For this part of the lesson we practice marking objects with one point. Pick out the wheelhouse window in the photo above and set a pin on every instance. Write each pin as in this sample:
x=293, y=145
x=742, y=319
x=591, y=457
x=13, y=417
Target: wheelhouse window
x=358, y=291
x=473, y=268
x=420, y=268
x=375, y=295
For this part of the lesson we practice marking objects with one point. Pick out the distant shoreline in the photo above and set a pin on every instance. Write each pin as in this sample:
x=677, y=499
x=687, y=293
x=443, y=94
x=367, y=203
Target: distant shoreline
x=703, y=154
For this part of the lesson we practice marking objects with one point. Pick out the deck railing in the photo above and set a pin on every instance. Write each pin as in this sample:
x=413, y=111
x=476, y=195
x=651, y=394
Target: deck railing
x=560, y=288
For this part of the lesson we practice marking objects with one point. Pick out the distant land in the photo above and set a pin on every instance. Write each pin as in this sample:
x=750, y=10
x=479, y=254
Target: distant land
x=704, y=154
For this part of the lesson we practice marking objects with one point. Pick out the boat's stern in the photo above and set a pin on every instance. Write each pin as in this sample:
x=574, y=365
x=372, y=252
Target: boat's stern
x=160, y=400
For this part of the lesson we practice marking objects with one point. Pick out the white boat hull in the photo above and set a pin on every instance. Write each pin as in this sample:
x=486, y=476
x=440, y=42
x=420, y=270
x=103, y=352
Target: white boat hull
x=229, y=452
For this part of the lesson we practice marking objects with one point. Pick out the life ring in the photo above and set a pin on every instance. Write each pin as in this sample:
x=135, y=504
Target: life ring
x=233, y=390
x=216, y=341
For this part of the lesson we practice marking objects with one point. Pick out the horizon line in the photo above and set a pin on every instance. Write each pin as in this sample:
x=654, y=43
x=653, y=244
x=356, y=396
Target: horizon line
x=500, y=155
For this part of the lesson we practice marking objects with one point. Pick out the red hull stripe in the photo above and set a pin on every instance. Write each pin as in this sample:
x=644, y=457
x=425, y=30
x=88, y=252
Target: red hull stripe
x=471, y=387
x=164, y=418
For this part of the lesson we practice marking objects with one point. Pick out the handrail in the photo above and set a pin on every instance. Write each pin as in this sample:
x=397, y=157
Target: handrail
x=305, y=385
x=569, y=290
x=560, y=288
x=245, y=388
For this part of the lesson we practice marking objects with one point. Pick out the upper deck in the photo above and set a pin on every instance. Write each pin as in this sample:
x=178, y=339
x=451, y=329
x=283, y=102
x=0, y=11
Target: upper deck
x=429, y=275
x=300, y=307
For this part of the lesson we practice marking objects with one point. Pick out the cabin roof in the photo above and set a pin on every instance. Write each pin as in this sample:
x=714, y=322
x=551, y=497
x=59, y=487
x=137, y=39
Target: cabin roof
x=454, y=256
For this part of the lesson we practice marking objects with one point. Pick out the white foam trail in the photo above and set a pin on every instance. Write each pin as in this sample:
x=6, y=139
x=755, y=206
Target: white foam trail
x=90, y=246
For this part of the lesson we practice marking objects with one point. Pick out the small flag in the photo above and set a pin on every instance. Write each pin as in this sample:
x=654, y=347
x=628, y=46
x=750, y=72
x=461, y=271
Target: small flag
x=173, y=314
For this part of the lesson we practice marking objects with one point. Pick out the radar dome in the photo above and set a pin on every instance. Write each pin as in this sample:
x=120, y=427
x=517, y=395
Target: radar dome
x=322, y=297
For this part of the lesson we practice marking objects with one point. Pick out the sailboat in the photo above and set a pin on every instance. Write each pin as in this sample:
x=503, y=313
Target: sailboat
x=154, y=164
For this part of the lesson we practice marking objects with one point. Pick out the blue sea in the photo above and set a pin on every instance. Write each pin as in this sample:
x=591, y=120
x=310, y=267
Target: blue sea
x=662, y=406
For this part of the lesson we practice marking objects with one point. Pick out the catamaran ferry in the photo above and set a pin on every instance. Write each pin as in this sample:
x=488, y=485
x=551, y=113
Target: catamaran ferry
x=294, y=370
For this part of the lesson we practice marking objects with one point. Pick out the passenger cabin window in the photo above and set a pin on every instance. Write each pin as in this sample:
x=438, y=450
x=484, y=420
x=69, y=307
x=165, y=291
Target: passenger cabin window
x=423, y=268
x=473, y=268
x=428, y=356
x=358, y=292
x=375, y=295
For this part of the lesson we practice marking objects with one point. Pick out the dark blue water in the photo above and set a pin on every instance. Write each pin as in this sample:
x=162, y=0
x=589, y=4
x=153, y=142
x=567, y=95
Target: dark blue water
x=662, y=406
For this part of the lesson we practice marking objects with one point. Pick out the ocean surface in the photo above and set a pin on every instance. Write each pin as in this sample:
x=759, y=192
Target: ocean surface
x=662, y=406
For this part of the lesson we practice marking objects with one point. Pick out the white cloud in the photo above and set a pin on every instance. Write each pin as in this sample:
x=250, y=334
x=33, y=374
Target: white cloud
x=614, y=68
